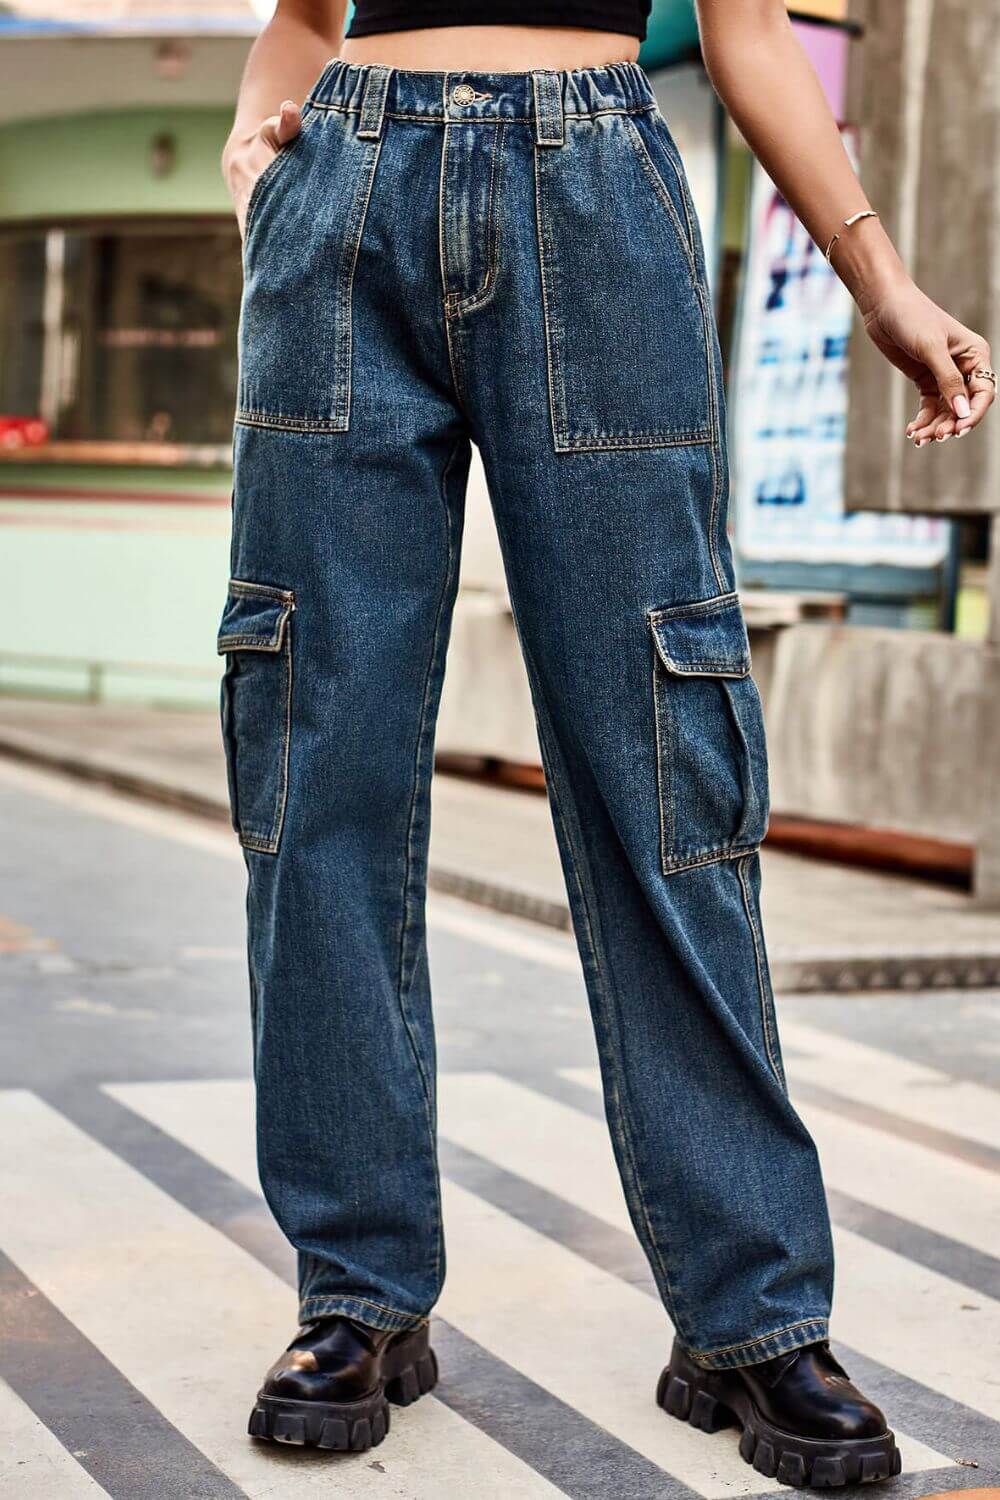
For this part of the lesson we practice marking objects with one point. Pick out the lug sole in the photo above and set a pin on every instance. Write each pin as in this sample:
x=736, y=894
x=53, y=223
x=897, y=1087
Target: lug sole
x=342, y=1426
x=697, y=1396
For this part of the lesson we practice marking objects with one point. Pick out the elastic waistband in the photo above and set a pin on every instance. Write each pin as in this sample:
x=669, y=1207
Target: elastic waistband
x=540, y=98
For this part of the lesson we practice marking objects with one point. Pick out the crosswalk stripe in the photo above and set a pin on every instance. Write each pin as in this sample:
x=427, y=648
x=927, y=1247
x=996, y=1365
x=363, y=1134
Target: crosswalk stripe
x=497, y=1268
x=192, y=1320
x=892, y=1174
x=912, y=1318
x=33, y=1461
x=518, y=1265
x=870, y=1075
x=214, y=1121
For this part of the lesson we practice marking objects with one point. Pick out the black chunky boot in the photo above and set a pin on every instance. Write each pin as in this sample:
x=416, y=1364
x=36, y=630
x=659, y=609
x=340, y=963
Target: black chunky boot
x=331, y=1386
x=803, y=1421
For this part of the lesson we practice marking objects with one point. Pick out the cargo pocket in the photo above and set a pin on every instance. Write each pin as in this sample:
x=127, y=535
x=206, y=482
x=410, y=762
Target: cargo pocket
x=710, y=746
x=256, y=638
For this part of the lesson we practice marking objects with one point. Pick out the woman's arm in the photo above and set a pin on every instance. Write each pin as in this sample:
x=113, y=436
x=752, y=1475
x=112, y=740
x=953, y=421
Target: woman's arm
x=284, y=61
x=767, y=83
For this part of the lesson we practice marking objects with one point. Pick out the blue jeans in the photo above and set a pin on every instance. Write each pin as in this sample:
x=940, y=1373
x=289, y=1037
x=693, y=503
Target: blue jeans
x=514, y=260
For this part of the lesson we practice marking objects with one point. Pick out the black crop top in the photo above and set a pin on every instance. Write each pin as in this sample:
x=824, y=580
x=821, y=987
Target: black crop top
x=627, y=17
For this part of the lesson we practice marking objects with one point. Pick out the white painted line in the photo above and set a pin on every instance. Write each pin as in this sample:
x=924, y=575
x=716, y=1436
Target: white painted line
x=497, y=1270
x=497, y=1267
x=566, y=1152
x=193, y=1321
x=870, y=1075
x=33, y=1462
x=940, y=1193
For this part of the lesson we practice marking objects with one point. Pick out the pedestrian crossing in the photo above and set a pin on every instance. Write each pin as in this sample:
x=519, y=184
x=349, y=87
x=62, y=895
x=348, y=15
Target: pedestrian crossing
x=32, y=1459
x=917, y=1093
x=191, y=1318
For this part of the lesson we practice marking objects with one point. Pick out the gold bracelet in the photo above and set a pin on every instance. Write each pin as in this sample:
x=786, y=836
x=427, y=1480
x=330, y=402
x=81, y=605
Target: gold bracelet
x=866, y=213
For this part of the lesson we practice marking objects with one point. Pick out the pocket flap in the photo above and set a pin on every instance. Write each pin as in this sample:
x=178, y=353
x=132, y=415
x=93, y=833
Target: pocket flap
x=706, y=639
x=255, y=617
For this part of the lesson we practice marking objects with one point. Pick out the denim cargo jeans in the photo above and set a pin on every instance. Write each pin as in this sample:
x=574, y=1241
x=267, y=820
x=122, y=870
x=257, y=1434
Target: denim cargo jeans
x=514, y=260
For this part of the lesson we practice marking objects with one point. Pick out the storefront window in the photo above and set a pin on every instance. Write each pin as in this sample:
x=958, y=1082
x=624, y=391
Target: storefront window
x=120, y=336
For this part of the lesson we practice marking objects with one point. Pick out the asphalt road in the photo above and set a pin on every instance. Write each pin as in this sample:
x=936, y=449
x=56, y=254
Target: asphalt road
x=143, y=1287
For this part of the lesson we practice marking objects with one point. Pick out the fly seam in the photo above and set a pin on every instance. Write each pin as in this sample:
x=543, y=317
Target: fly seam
x=479, y=298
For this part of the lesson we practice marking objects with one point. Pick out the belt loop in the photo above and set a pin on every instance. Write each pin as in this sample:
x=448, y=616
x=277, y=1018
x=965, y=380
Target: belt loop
x=549, y=128
x=373, y=102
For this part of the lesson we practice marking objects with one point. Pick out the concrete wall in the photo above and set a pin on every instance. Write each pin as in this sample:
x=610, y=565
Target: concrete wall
x=927, y=91
x=878, y=727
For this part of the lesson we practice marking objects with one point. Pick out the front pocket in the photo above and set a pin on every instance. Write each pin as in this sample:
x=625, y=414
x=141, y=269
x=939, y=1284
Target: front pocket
x=628, y=328
x=303, y=240
x=710, y=746
x=256, y=638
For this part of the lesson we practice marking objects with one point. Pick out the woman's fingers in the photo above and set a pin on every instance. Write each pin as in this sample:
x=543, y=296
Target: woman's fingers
x=920, y=427
x=289, y=121
x=277, y=130
x=950, y=380
x=981, y=390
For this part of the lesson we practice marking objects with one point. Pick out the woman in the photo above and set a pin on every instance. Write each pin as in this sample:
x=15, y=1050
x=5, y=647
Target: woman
x=477, y=227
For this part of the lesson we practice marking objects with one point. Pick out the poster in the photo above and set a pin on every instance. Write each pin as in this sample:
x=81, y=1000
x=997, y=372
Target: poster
x=788, y=399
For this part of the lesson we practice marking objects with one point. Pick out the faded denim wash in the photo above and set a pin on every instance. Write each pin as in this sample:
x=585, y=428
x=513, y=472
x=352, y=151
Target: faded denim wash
x=511, y=260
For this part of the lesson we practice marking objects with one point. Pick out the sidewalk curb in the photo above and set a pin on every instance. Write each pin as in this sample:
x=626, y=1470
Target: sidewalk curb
x=805, y=972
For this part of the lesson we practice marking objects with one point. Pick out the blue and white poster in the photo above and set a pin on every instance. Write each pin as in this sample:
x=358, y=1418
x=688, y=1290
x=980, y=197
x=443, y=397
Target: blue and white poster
x=788, y=397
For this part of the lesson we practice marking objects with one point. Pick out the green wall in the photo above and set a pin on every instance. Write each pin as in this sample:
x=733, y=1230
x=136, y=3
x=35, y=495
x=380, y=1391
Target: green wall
x=96, y=164
x=116, y=574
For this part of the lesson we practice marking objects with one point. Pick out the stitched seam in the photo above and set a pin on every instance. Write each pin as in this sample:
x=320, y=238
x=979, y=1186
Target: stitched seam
x=557, y=390
x=765, y=1338
x=445, y=119
x=667, y=439
x=345, y=286
x=403, y=981
x=287, y=746
x=249, y=643
x=648, y=167
x=277, y=423
x=695, y=668
x=447, y=297
x=664, y=790
x=381, y=80
x=768, y=1019
x=717, y=475
x=718, y=604
x=685, y=192
x=486, y=291
x=636, y=432
x=243, y=586
x=344, y=1297
x=713, y=856
x=267, y=843
x=675, y=167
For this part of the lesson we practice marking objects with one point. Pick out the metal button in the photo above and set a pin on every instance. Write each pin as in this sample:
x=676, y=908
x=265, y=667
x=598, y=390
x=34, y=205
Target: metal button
x=463, y=93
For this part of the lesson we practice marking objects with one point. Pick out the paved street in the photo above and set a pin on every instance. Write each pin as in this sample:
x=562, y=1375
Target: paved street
x=144, y=1289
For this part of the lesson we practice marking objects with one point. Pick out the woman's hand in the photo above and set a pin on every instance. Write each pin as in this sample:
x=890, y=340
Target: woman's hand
x=941, y=357
x=246, y=156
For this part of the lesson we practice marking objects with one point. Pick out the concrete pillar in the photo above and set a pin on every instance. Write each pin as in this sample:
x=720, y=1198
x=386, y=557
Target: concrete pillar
x=926, y=90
